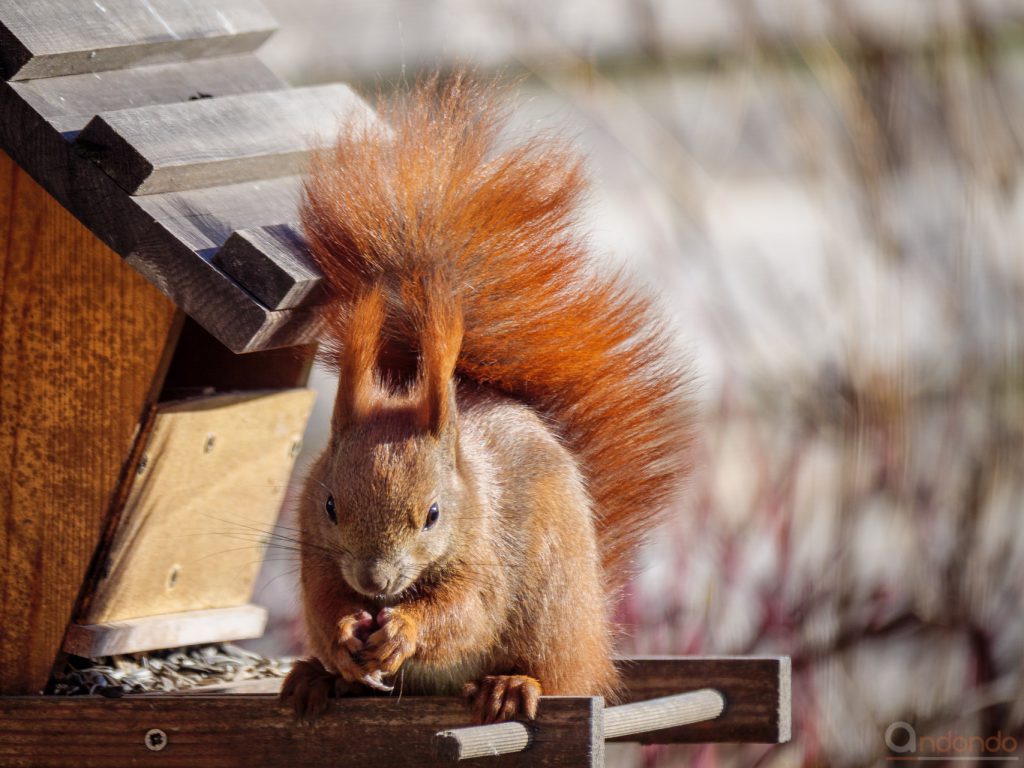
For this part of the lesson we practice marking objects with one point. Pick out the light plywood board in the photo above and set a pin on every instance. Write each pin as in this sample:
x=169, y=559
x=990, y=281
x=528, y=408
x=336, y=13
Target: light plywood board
x=207, y=493
x=171, y=630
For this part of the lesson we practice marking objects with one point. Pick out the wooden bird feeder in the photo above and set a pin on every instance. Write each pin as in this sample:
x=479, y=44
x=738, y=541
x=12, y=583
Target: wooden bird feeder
x=156, y=333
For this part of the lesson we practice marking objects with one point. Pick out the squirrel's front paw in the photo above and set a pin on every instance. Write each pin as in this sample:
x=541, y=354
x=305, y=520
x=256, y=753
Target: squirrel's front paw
x=309, y=686
x=497, y=698
x=348, y=644
x=388, y=648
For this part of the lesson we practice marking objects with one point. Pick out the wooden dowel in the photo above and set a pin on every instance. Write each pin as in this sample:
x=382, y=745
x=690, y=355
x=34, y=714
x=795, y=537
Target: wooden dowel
x=666, y=712
x=484, y=740
x=624, y=720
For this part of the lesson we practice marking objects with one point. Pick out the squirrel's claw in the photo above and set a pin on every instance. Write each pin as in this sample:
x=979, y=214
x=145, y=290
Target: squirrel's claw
x=374, y=680
x=497, y=698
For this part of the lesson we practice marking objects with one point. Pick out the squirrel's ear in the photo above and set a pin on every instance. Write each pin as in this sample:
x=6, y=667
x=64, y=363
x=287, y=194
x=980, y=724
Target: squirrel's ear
x=440, y=342
x=357, y=371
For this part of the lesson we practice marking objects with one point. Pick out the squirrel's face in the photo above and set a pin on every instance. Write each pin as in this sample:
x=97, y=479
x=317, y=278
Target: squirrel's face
x=389, y=485
x=388, y=494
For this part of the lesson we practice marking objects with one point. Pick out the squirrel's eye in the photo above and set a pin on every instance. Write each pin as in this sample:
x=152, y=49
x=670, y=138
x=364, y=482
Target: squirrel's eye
x=331, y=512
x=432, y=514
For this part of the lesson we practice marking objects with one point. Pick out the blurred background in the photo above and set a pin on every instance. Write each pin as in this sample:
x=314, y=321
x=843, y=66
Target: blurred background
x=829, y=196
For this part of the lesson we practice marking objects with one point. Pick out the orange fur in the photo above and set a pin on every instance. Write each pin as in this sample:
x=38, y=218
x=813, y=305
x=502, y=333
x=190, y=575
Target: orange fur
x=473, y=248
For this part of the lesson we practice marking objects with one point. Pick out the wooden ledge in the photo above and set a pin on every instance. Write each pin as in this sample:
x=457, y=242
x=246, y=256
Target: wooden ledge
x=214, y=727
x=253, y=731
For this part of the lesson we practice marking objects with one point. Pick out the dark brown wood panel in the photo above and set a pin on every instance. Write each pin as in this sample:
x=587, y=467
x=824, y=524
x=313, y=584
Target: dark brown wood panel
x=82, y=351
x=68, y=103
x=209, y=142
x=253, y=731
x=48, y=38
x=273, y=264
x=201, y=364
x=756, y=691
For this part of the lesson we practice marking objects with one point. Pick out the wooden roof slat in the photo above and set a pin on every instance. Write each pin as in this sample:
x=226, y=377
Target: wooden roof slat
x=168, y=238
x=204, y=218
x=205, y=142
x=272, y=263
x=69, y=102
x=48, y=38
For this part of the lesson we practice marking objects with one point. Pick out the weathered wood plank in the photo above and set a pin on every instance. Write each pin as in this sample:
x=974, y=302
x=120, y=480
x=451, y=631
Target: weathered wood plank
x=208, y=142
x=203, y=219
x=82, y=353
x=131, y=229
x=273, y=264
x=756, y=691
x=253, y=731
x=68, y=103
x=171, y=630
x=48, y=38
x=206, y=495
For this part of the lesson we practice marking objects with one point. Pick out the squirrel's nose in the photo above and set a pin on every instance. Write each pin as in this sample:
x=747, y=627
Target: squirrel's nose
x=376, y=578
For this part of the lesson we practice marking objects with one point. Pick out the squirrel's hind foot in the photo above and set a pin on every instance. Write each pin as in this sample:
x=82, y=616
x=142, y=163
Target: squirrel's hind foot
x=497, y=698
x=309, y=687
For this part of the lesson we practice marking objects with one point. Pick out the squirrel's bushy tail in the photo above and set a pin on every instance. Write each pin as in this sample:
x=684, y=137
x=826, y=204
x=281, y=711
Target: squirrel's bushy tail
x=436, y=204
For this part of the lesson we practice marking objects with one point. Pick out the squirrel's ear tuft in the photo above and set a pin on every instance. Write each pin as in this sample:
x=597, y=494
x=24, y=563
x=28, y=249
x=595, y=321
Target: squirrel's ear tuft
x=357, y=371
x=440, y=341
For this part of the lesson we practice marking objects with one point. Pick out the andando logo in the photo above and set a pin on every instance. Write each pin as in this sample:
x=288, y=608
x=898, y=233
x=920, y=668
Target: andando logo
x=901, y=738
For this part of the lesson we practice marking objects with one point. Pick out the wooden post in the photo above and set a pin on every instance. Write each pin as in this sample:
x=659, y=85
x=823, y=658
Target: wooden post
x=83, y=346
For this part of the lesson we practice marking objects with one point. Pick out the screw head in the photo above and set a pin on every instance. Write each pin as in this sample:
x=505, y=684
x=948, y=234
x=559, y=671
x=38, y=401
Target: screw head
x=155, y=740
x=211, y=440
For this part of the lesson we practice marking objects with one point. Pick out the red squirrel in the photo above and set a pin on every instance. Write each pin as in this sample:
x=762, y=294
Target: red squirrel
x=509, y=421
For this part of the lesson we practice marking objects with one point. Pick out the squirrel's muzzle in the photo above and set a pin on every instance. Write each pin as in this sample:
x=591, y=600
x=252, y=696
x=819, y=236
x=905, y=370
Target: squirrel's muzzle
x=376, y=577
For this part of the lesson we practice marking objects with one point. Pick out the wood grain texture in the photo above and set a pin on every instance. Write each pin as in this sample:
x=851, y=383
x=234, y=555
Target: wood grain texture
x=68, y=103
x=756, y=691
x=253, y=731
x=273, y=264
x=47, y=38
x=82, y=345
x=171, y=630
x=205, y=497
x=224, y=140
x=152, y=247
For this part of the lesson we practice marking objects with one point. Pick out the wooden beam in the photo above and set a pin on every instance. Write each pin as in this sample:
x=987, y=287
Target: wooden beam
x=84, y=342
x=68, y=103
x=253, y=731
x=47, y=38
x=171, y=630
x=273, y=264
x=208, y=142
x=756, y=691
